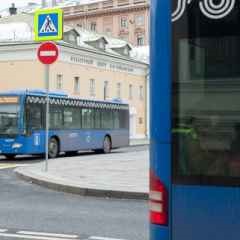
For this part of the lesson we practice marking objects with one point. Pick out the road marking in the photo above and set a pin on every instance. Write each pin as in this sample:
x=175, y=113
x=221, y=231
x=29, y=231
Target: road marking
x=13, y=165
x=22, y=236
x=103, y=238
x=48, y=234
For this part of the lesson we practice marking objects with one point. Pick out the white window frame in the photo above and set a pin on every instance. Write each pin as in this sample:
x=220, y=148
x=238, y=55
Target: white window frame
x=76, y=84
x=130, y=91
x=141, y=93
x=59, y=82
x=119, y=86
x=92, y=88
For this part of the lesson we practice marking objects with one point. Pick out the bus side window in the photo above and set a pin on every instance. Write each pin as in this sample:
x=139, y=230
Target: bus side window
x=97, y=119
x=116, y=119
x=123, y=117
x=34, y=117
x=56, y=117
x=107, y=119
x=87, y=118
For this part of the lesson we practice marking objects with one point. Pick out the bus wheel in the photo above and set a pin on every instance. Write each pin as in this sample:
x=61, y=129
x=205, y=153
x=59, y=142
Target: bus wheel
x=53, y=148
x=10, y=156
x=107, y=145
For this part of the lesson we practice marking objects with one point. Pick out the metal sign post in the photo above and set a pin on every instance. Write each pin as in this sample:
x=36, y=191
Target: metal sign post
x=47, y=54
x=48, y=26
x=47, y=115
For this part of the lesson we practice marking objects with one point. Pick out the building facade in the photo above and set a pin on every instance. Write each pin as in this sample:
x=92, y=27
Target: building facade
x=124, y=19
x=80, y=72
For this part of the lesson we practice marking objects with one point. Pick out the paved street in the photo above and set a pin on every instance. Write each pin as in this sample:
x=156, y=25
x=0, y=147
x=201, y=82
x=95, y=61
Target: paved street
x=29, y=211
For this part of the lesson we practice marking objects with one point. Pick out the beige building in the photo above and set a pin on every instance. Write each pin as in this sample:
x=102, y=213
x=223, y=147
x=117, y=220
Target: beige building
x=124, y=19
x=90, y=66
x=81, y=73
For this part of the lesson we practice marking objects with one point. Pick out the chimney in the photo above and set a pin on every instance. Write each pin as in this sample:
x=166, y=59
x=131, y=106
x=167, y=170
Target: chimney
x=13, y=9
x=44, y=3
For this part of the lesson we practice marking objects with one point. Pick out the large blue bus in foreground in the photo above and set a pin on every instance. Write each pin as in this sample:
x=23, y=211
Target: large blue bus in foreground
x=74, y=124
x=195, y=120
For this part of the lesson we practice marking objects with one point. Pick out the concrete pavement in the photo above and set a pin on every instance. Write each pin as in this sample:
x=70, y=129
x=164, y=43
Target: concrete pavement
x=119, y=174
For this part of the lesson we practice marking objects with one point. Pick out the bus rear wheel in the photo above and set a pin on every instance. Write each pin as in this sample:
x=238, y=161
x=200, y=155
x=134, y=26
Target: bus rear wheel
x=107, y=145
x=53, y=148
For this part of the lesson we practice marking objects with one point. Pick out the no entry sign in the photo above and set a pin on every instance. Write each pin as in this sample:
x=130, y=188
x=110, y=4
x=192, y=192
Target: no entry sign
x=47, y=53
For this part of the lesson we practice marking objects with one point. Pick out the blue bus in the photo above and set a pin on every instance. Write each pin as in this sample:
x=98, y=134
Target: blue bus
x=195, y=120
x=74, y=124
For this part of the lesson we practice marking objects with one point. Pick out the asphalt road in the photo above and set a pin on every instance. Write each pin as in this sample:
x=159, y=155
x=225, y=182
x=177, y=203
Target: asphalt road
x=44, y=214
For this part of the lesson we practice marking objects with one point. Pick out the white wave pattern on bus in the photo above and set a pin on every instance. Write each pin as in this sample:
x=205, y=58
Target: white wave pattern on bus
x=207, y=7
x=216, y=11
x=181, y=6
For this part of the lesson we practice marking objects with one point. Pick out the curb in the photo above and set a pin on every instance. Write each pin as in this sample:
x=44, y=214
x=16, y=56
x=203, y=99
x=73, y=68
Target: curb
x=82, y=191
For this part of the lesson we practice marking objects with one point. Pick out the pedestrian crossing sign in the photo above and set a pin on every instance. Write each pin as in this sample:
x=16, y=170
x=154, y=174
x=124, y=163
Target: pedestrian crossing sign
x=48, y=24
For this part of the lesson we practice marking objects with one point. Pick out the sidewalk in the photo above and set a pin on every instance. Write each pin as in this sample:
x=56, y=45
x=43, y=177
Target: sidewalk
x=119, y=174
x=139, y=141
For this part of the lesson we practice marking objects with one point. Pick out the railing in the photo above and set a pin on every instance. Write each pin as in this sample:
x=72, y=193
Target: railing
x=107, y=4
x=93, y=7
x=123, y=2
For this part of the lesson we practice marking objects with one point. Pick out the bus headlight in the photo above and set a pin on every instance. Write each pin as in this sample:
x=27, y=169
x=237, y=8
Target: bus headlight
x=16, y=145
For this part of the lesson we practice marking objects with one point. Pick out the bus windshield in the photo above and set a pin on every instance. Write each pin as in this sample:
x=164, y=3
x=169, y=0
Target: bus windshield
x=8, y=117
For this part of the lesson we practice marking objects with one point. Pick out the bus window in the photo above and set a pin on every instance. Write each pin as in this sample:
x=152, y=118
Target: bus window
x=123, y=118
x=87, y=118
x=97, y=119
x=56, y=117
x=107, y=119
x=116, y=119
x=206, y=100
x=72, y=118
x=34, y=116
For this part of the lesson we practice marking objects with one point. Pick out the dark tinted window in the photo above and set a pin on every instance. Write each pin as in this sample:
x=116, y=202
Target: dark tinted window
x=87, y=118
x=206, y=97
x=72, y=118
x=123, y=119
x=107, y=119
x=97, y=118
x=34, y=116
x=56, y=117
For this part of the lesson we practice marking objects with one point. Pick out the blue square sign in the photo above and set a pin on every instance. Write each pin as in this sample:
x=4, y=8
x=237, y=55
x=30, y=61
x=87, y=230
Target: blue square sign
x=48, y=25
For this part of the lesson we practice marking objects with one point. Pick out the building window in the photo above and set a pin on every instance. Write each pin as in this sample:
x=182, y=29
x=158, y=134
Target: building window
x=139, y=20
x=141, y=94
x=105, y=90
x=59, y=83
x=76, y=85
x=123, y=22
x=119, y=90
x=140, y=40
x=93, y=26
x=92, y=87
x=130, y=91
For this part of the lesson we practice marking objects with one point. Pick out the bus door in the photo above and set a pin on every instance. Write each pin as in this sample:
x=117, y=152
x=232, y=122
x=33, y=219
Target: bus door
x=205, y=193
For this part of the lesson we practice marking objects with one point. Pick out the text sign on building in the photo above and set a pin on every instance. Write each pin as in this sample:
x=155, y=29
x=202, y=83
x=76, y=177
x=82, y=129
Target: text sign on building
x=48, y=25
x=47, y=53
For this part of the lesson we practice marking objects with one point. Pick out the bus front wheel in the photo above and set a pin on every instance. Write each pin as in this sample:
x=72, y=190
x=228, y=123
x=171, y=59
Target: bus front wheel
x=107, y=145
x=53, y=148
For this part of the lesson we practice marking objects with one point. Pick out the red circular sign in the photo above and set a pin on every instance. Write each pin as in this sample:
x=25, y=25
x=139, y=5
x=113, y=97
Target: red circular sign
x=47, y=53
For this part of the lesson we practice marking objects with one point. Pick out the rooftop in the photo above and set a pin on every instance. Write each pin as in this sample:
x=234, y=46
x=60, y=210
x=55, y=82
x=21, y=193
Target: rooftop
x=17, y=28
